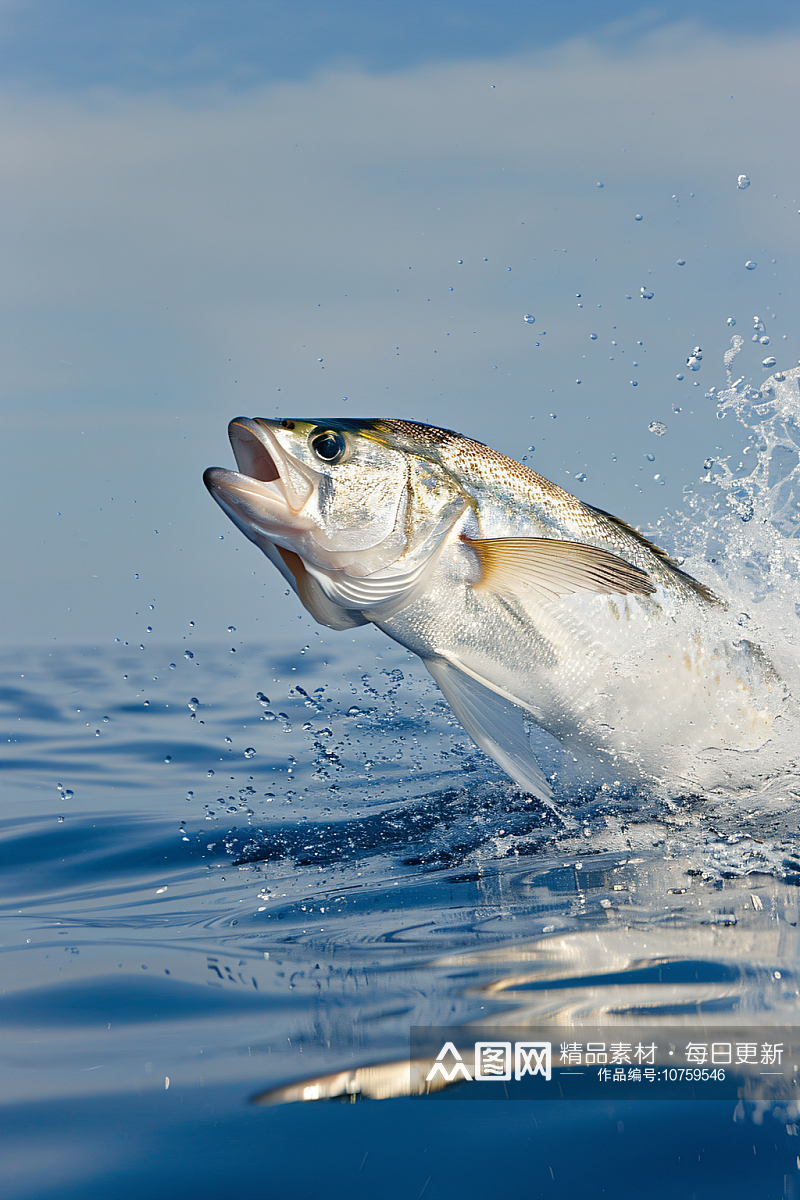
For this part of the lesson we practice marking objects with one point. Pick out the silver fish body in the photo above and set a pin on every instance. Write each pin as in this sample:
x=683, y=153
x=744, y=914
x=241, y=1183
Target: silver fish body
x=529, y=608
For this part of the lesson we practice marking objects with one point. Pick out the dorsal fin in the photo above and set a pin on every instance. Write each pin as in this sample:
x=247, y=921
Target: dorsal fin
x=704, y=592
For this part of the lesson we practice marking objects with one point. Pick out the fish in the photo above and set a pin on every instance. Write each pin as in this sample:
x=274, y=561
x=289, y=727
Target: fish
x=555, y=630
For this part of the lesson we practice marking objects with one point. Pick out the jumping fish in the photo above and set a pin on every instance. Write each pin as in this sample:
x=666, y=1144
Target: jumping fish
x=532, y=610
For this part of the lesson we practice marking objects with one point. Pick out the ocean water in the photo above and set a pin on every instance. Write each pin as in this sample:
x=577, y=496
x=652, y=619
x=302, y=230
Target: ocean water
x=231, y=880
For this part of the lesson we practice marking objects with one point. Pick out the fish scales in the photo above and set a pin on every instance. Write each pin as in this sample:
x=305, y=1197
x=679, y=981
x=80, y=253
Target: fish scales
x=529, y=607
x=526, y=496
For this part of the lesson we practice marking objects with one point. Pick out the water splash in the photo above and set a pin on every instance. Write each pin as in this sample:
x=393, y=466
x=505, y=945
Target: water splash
x=740, y=532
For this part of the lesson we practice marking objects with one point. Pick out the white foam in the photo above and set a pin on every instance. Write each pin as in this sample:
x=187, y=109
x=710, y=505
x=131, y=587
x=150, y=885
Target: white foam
x=740, y=533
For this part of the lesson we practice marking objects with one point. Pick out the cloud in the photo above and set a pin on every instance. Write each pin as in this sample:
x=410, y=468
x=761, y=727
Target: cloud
x=139, y=45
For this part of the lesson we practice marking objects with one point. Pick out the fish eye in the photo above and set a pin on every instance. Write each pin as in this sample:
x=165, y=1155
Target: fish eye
x=328, y=445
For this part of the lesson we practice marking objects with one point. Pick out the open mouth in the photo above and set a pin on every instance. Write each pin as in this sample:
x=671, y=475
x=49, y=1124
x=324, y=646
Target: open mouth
x=252, y=456
x=266, y=495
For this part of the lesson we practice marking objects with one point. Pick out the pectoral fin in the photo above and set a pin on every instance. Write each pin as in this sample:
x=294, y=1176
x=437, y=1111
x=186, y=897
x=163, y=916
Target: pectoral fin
x=494, y=724
x=552, y=568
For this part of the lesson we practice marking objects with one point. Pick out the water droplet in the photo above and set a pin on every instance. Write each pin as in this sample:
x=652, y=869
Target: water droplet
x=68, y=793
x=250, y=752
x=645, y=294
x=269, y=716
x=634, y=383
x=581, y=477
x=190, y=795
x=262, y=699
x=209, y=773
x=593, y=336
x=188, y=654
x=751, y=265
x=599, y=185
x=149, y=628
x=638, y=217
x=764, y=340
x=651, y=458
x=231, y=629
x=770, y=362
x=194, y=704
x=681, y=262
x=708, y=464
x=743, y=182
x=229, y=742
x=172, y=666
x=731, y=321
x=529, y=318
x=461, y=262
x=679, y=377
x=168, y=758
x=658, y=428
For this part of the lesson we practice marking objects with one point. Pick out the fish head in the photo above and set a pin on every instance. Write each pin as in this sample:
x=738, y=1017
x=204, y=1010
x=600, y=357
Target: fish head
x=350, y=497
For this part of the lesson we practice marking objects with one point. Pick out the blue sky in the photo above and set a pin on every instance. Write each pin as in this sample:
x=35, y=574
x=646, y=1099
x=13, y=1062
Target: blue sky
x=143, y=44
x=256, y=209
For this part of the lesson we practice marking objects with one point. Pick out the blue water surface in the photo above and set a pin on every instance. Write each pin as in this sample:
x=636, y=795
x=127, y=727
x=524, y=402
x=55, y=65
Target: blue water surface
x=213, y=899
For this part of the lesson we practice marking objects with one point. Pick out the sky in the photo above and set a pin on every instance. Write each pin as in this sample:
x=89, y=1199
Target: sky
x=311, y=209
x=141, y=45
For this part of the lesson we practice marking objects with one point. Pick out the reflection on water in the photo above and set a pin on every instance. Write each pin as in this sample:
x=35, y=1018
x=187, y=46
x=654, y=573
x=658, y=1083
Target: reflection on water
x=275, y=929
